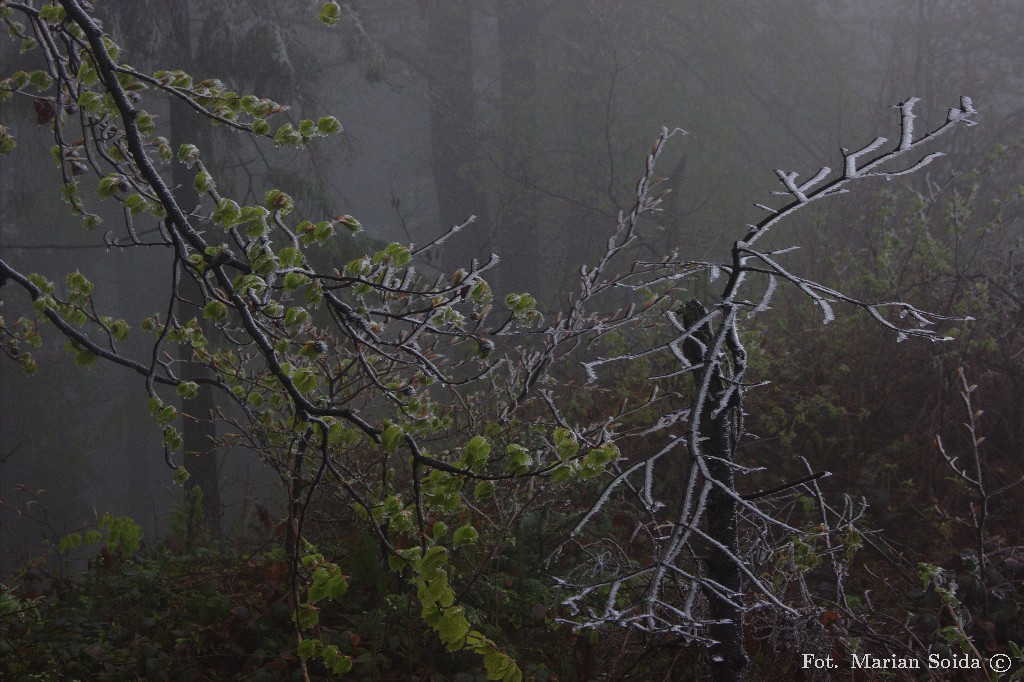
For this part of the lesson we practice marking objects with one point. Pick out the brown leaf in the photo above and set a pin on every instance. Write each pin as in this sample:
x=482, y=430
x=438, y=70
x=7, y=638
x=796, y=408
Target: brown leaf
x=45, y=110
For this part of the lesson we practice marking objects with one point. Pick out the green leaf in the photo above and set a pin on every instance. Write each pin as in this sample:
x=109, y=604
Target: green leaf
x=227, y=213
x=87, y=74
x=523, y=307
x=85, y=358
x=483, y=489
x=351, y=223
x=391, y=438
x=144, y=121
x=306, y=379
x=248, y=103
x=309, y=648
x=70, y=541
x=90, y=101
x=496, y=663
x=337, y=586
x=188, y=154
x=598, y=458
x=435, y=558
x=519, y=458
x=453, y=627
x=476, y=451
x=314, y=294
x=397, y=254
x=287, y=134
x=154, y=405
x=53, y=14
x=276, y=200
x=327, y=585
x=203, y=182
x=295, y=317
x=480, y=293
x=306, y=616
x=290, y=256
x=562, y=473
x=330, y=13
x=246, y=283
x=109, y=184
x=181, y=475
x=167, y=414
x=260, y=127
x=135, y=204
x=111, y=47
x=314, y=234
x=439, y=529
x=41, y=80
x=215, y=310
x=187, y=389
x=7, y=143
x=433, y=591
x=124, y=535
x=565, y=443
x=118, y=329
x=293, y=280
x=466, y=535
x=328, y=125
x=19, y=79
x=338, y=662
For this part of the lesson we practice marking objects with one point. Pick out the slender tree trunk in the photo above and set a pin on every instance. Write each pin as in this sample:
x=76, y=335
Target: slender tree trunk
x=728, y=658
x=453, y=147
x=518, y=26
x=198, y=429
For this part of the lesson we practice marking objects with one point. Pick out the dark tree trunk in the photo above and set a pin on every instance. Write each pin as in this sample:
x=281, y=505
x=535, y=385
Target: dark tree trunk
x=453, y=146
x=518, y=26
x=198, y=429
x=728, y=658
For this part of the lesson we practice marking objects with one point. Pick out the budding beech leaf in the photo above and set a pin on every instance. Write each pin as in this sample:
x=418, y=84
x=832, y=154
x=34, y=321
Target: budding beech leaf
x=181, y=475
x=330, y=13
x=466, y=535
x=328, y=125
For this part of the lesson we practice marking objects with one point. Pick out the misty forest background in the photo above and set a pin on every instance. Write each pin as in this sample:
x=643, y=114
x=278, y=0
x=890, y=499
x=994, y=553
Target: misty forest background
x=535, y=116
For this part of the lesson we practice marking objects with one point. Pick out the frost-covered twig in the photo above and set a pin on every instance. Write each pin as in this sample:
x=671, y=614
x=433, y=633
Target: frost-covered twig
x=690, y=555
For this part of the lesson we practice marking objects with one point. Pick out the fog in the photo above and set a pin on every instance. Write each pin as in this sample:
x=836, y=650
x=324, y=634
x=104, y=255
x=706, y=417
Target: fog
x=533, y=116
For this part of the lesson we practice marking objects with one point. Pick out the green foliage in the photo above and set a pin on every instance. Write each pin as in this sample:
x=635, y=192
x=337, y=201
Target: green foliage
x=524, y=307
x=187, y=389
x=466, y=535
x=430, y=576
x=7, y=143
x=327, y=584
x=181, y=475
x=519, y=458
x=475, y=453
x=123, y=534
x=215, y=310
x=391, y=437
x=565, y=443
x=330, y=13
x=353, y=349
x=150, y=620
x=188, y=154
x=203, y=182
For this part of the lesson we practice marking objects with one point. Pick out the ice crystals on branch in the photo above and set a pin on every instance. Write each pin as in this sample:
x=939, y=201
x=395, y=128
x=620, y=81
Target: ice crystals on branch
x=670, y=585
